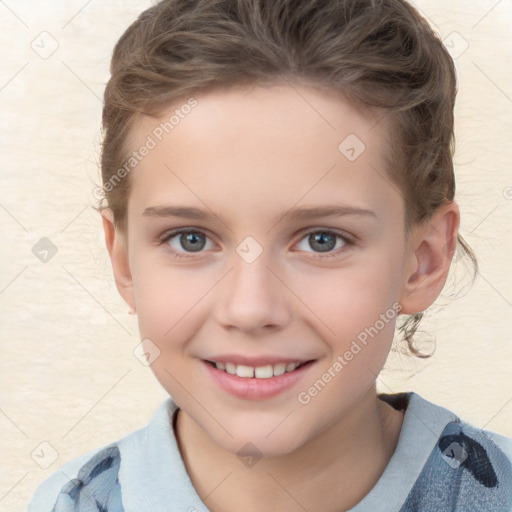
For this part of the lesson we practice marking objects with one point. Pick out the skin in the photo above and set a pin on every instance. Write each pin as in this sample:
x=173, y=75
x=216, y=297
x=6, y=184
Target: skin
x=293, y=300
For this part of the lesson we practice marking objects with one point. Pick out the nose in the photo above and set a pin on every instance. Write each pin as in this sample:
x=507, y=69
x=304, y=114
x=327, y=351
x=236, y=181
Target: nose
x=254, y=299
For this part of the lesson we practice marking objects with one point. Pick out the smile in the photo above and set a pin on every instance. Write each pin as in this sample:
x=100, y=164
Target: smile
x=259, y=372
x=261, y=382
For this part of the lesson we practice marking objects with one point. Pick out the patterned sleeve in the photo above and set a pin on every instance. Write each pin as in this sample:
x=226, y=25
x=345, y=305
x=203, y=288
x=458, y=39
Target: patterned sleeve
x=96, y=488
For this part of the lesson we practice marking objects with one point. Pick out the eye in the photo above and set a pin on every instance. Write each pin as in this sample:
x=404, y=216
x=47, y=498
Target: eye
x=324, y=241
x=185, y=242
x=179, y=243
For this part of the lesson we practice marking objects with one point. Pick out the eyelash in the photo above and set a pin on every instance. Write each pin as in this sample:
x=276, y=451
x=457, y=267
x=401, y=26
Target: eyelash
x=347, y=242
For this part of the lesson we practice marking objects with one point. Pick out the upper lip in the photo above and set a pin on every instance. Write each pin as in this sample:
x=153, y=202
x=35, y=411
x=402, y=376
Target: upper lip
x=255, y=362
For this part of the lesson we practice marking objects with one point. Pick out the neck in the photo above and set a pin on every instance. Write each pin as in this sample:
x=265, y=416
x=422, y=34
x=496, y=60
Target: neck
x=333, y=471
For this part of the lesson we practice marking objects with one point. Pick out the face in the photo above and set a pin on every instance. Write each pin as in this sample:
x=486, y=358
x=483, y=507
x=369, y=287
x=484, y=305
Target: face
x=264, y=232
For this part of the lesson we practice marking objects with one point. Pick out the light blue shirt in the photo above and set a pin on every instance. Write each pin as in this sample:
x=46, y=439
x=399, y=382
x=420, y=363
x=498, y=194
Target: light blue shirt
x=441, y=464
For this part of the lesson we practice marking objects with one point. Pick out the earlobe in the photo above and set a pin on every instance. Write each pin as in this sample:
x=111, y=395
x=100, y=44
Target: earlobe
x=119, y=258
x=430, y=253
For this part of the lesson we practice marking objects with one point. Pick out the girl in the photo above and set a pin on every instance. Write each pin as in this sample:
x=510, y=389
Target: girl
x=279, y=196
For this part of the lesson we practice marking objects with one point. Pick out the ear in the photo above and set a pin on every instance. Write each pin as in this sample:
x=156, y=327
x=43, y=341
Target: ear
x=430, y=252
x=119, y=258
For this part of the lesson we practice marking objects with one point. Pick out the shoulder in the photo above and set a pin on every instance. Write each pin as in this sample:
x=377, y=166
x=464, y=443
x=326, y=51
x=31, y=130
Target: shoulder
x=467, y=468
x=92, y=478
x=92, y=482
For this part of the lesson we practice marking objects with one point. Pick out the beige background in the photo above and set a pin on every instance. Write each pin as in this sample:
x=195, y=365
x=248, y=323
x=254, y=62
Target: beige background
x=69, y=378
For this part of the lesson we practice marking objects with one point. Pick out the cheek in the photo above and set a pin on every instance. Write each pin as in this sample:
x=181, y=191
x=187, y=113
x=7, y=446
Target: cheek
x=170, y=301
x=161, y=304
x=359, y=305
x=348, y=300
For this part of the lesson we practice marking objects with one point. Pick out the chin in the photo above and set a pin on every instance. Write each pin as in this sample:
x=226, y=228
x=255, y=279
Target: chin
x=263, y=440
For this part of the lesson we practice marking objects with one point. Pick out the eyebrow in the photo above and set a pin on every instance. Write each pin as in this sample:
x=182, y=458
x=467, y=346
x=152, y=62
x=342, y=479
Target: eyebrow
x=302, y=213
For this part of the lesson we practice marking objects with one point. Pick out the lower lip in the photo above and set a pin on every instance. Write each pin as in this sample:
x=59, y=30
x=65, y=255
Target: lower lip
x=256, y=389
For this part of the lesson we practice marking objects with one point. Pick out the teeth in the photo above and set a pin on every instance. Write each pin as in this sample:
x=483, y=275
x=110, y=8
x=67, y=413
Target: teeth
x=261, y=372
x=230, y=368
x=264, y=372
x=279, y=369
x=244, y=371
x=291, y=366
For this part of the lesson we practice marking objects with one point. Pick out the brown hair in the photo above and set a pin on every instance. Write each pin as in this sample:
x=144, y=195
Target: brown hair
x=378, y=53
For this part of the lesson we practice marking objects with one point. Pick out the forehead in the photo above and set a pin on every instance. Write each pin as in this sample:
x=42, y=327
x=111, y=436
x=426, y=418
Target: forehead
x=261, y=145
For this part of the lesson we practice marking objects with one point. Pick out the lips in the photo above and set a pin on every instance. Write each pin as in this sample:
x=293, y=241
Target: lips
x=254, y=381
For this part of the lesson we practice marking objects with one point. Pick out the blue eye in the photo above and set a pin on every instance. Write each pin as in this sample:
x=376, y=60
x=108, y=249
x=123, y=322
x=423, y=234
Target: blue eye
x=192, y=241
x=323, y=242
x=182, y=242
